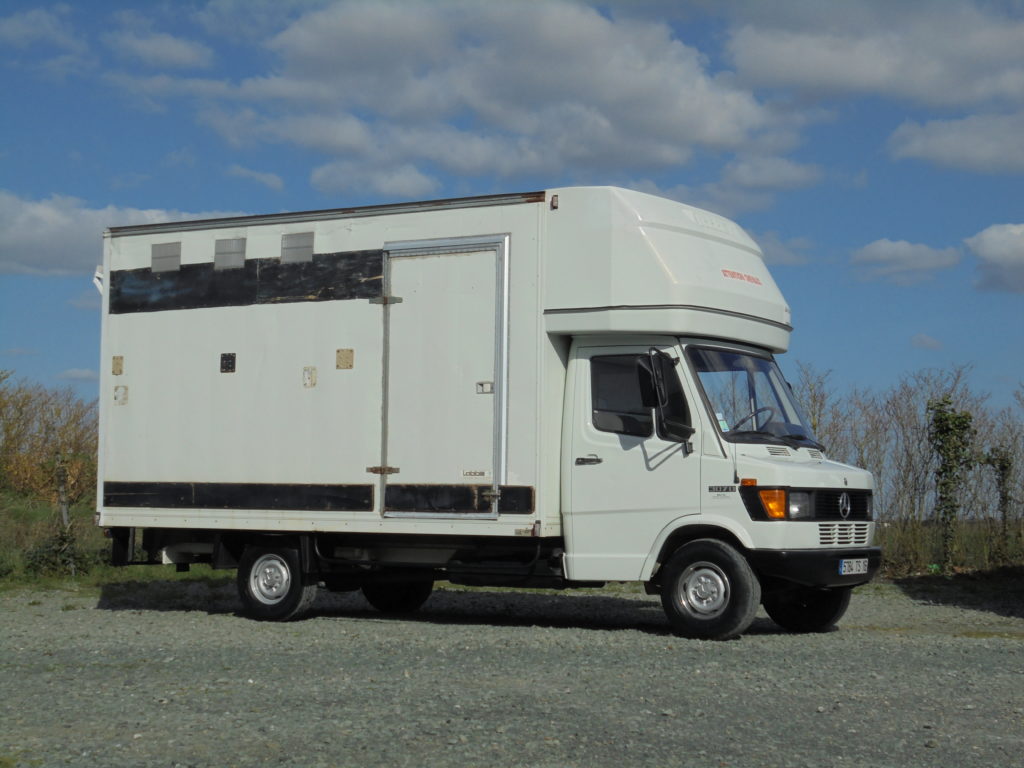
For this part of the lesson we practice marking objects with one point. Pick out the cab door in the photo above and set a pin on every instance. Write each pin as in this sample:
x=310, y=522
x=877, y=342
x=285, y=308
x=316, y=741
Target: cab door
x=627, y=481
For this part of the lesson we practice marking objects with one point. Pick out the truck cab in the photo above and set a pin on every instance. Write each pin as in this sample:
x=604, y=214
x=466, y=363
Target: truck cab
x=689, y=466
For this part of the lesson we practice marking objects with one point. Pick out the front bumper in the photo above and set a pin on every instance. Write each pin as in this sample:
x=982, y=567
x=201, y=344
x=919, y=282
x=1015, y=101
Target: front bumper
x=814, y=567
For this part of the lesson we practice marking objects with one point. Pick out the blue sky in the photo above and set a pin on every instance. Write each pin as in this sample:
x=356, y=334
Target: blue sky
x=873, y=148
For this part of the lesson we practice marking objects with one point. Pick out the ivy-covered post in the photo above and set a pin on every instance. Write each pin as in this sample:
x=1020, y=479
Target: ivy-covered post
x=66, y=535
x=1001, y=460
x=950, y=434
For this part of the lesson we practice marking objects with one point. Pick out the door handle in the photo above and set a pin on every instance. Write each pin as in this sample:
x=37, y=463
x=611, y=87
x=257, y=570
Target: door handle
x=591, y=459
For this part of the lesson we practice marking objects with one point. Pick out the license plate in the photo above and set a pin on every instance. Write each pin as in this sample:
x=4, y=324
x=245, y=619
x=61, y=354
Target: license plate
x=852, y=567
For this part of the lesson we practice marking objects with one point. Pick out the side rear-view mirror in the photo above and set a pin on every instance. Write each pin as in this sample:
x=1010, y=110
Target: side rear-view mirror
x=676, y=430
x=648, y=389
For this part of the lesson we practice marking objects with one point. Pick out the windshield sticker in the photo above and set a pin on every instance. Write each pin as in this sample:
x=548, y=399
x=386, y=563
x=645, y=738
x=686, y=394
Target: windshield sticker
x=722, y=423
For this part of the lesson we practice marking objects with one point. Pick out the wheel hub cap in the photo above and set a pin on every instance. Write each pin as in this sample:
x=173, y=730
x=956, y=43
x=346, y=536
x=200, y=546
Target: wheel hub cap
x=703, y=590
x=270, y=580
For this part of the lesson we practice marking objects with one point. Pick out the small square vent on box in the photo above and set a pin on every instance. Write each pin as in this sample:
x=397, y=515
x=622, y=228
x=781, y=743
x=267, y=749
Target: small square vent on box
x=227, y=362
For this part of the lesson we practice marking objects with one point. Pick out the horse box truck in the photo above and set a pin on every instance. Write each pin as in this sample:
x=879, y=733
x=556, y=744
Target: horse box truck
x=552, y=389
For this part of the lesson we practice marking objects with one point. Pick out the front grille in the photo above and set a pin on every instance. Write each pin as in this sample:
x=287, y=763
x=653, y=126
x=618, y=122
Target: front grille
x=827, y=506
x=843, y=534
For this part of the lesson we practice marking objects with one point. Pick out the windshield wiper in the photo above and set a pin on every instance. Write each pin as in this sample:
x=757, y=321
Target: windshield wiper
x=810, y=440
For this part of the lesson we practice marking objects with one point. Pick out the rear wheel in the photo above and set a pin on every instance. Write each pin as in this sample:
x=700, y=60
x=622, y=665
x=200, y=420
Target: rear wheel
x=398, y=596
x=709, y=591
x=804, y=609
x=271, y=586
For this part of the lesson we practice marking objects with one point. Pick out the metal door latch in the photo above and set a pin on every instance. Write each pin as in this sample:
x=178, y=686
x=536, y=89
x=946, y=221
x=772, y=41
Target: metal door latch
x=591, y=459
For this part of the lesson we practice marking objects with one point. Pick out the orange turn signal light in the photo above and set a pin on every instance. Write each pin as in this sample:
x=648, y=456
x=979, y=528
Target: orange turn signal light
x=774, y=502
x=748, y=481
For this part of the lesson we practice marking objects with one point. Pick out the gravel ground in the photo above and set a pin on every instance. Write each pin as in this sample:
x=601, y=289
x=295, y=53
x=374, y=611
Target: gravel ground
x=166, y=674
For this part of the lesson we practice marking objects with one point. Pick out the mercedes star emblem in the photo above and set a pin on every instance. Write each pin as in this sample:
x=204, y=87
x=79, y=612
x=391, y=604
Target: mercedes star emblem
x=844, y=505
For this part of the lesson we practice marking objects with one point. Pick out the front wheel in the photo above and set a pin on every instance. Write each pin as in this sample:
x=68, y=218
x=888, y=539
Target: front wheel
x=709, y=591
x=804, y=609
x=270, y=584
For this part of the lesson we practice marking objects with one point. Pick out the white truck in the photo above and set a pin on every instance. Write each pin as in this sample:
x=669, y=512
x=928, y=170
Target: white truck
x=550, y=389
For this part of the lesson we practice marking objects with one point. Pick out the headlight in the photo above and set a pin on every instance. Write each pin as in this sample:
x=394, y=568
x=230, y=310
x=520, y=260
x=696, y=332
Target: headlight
x=800, y=505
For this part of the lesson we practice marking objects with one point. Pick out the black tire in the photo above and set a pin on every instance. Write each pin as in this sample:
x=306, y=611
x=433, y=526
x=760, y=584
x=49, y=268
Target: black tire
x=709, y=591
x=397, y=597
x=271, y=586
x=804, y=609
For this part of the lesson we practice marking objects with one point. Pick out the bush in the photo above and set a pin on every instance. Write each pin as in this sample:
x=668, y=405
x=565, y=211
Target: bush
x=57, y=555
x=47, y=442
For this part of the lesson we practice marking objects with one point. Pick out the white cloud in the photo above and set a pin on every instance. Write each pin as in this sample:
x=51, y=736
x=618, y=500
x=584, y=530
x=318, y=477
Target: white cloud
x=244, y=20
x=1000, y=252
x=750, y=183
x=986, y=143
x=791, y=251
x=78, y=374
x=61, y=235
x=158, y=49
x=44, y=40
x=40, y=27
x=903, y=263
x=269, y=180
x=939, y=54
x=404, y=181
x=332, y=134
x=964, y=56
x=770, y=173
x=924, y=341
x=479, y=89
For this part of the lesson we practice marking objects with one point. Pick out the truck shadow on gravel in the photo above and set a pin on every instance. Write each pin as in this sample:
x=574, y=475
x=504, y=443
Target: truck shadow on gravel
x=210, y=595
x=445, y=607
x=526, y=610
x=1000, y=591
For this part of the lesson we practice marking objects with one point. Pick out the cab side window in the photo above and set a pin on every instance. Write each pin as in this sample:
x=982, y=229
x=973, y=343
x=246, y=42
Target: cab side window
x=615, y=395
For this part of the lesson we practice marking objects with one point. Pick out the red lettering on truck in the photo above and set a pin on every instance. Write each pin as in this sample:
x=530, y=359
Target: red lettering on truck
x=733, y=275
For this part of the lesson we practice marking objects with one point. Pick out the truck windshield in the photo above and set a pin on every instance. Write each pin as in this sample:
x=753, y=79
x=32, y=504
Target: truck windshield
x=750, y=400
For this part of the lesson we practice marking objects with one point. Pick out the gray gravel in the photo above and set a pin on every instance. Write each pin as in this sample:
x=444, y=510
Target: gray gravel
x=166, y=674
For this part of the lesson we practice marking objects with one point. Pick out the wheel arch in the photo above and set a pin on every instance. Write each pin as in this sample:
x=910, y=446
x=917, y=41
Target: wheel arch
x=685, y=530
x=236, y=544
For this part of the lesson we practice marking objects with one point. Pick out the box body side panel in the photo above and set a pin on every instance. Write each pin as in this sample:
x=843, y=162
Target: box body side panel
x=256, y=404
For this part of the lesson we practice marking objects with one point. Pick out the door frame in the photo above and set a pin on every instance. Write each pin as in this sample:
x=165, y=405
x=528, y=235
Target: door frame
x=403, y=249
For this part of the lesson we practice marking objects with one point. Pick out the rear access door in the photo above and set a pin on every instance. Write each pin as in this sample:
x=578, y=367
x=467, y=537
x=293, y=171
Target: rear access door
x=445, y=374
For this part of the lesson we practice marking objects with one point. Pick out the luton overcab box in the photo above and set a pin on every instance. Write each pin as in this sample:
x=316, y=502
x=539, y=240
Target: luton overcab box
x=551, y=389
